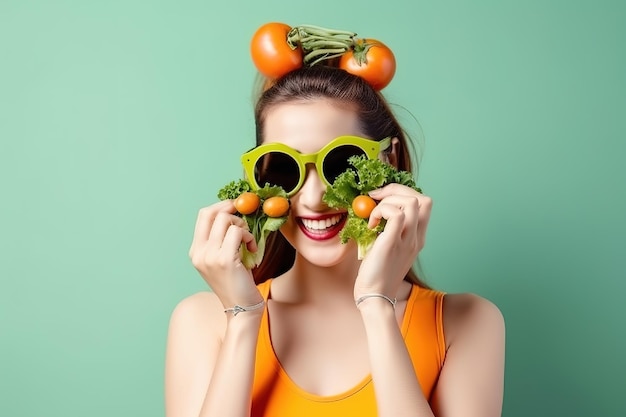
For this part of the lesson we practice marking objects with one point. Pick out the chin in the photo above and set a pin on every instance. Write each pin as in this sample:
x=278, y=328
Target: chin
x=324, y=251
x=328, y=256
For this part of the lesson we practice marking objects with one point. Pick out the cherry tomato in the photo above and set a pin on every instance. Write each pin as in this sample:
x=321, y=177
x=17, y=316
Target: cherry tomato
x=276, y=206
x=362, y=205
x=271, y=53
x=247, y=203
x=371, y=60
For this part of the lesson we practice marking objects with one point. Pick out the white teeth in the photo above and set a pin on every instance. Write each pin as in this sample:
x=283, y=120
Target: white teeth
x=321, y=224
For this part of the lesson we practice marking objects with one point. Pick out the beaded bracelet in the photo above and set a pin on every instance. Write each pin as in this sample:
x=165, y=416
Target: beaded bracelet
x=366, y=296
x=240, y=309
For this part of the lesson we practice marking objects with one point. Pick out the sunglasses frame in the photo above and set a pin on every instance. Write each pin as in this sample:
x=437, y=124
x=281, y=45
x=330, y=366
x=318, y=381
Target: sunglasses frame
x=249, y=159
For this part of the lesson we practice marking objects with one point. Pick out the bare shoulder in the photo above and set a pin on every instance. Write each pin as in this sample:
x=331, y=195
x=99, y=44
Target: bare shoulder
x=202, y=312
x=196, y=330
x=471, y=381
x=468, y=313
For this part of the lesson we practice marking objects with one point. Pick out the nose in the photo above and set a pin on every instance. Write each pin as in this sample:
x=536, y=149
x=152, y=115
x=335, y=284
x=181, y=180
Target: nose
x=312, y=189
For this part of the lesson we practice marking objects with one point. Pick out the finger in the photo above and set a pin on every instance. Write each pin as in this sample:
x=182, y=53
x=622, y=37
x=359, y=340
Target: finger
x=234, y=237
x=394, y=215
x=413, y=226
x=409, y=205
x=204, y=222
x=417, y=216
x=223, y=221
x=426, y=204
x=395, y=191
x=250, y=241
x=392, y=189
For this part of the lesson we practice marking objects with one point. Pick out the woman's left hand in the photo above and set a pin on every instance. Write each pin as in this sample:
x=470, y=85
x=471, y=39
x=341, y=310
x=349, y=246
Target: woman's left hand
x=395, y=250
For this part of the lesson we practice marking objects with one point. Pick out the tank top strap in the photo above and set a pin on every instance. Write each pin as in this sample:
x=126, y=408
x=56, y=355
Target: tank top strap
x=264, y=288
x=423, y=333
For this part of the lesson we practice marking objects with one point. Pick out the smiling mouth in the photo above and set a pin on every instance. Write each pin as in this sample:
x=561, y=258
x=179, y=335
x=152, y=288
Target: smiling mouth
x=321, y=225
x=322, y=229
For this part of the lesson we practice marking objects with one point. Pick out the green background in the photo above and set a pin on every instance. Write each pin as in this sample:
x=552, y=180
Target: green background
x=120, y=119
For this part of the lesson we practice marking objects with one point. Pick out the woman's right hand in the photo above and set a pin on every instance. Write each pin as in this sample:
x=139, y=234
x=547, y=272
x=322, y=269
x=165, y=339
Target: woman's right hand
x=215, y=254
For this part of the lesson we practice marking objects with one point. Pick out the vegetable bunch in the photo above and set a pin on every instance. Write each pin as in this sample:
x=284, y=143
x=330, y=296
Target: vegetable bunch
x=350, y=191
x=265, y=210
x=278, y=48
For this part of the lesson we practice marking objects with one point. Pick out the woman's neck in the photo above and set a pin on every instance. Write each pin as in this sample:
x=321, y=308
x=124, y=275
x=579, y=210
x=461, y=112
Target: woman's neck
x=306, y=282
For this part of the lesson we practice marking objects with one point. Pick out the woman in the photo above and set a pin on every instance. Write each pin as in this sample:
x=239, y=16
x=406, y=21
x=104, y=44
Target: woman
x=316, y=331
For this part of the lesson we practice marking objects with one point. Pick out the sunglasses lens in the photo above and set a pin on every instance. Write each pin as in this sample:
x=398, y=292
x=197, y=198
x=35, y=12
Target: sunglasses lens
x=336, y=161
x=277, y=168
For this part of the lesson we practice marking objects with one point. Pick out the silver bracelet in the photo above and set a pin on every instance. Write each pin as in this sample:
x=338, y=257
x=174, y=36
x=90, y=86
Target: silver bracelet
x=240, y=309
x=366, y=296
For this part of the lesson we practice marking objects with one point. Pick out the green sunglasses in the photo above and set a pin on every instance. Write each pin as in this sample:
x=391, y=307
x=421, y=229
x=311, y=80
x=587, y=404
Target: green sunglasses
x=278, y=164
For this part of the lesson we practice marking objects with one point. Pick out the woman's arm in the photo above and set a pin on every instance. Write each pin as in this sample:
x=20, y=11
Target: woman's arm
x=398, y=392
x=210, y=359
x=472, y=378
x=397, y=388
x=210, y=354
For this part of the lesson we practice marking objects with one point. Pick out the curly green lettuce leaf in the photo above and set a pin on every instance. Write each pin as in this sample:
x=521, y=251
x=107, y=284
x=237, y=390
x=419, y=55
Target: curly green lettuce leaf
x=367, y=175
x=343, y=190
x=356, y=229
x=271, y=191
x=233, y=189
x=259, y=223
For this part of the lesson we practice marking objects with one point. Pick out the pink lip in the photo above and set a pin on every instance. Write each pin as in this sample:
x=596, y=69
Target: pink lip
x=320, y=235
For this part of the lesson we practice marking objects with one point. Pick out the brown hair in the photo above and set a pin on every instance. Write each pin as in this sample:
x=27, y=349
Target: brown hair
x=376, y=119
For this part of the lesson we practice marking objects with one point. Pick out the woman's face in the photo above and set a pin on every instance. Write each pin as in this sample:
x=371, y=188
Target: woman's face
x=312, y=228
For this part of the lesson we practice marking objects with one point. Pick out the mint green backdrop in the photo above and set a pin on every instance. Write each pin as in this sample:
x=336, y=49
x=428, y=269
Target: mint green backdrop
x=120, y=119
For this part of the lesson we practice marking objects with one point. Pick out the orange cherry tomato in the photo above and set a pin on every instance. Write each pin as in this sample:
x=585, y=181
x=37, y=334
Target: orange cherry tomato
x=362, y=205
x=247, y=203
x=271, y=54
x=371, y=60
x=276, y=206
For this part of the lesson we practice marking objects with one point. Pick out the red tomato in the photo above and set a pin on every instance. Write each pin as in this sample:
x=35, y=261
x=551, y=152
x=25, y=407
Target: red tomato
x=371, y=60
x=271, y=53
x=362, y=205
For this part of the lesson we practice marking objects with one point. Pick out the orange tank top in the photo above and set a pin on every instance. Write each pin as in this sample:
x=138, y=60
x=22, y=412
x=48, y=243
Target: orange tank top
x=274, y=394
